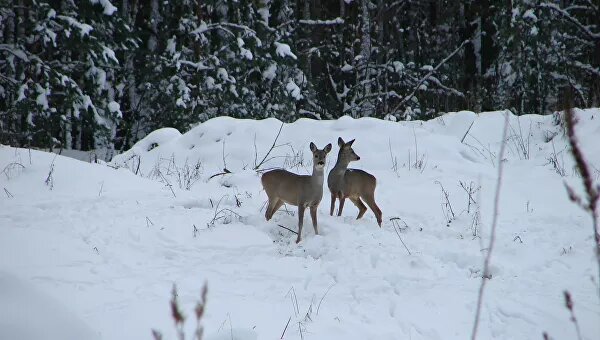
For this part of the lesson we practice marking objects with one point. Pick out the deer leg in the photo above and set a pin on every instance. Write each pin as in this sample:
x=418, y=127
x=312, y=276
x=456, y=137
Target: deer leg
x=370, y=200
x=276, y=207
x=313, y=215
x=332, y=204
x=342, y=200
x=360, y=205
x=300, y=222
x=269, y=210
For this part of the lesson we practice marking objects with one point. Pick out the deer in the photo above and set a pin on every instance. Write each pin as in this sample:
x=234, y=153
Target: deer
x=352, y=183
x=302, y=191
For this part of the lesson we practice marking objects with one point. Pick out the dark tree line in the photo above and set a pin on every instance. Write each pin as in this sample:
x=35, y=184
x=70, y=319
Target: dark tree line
x=102, y=73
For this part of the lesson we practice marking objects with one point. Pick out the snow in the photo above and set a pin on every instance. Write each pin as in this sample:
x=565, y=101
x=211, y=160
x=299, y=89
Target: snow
x=30, y=119
x=390, y=117
x=84, y=29
x=564, y=13
x=264, y=14
x=347, y=68
x=336, y=21
x=105, y=245
x=22, y=89
x=108, y=53
x=99, y=76
x=222, y=74
x=293, y=90
x=21, y=301
x=115, y=108
x=155, y=138
x=246, y=53
x=398, y=67
x=42, y=97
x=271, y=72
x=49, y=36
x=530, y=14
x=284, y=50
x=109, y=8
x=180, y=102
x=211, y=84
x=172, y=45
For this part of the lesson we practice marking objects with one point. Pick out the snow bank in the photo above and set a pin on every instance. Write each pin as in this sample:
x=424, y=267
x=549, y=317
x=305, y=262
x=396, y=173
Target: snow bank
x=450, y=140
x=26, y=314
x=154, y=139
x=108, y=242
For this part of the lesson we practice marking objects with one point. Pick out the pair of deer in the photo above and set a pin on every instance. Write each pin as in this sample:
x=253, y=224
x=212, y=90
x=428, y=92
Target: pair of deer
x=305, y=191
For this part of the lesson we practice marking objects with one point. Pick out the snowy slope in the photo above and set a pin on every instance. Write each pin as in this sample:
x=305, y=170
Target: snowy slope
x=109, y=243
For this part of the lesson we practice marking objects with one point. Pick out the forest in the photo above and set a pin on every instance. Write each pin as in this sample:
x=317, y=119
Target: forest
x=104, y=73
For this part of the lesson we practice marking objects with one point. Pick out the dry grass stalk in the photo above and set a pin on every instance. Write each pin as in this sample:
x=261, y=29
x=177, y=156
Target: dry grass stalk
x=179, y=318
x=488, y=257
x=590, y=203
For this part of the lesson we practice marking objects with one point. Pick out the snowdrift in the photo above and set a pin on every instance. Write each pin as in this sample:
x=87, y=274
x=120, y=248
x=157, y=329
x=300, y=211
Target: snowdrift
x=109, y=240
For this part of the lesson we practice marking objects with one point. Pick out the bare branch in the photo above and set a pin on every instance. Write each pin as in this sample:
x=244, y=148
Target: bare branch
x=467, y=132
x=8, y=193
x=288, y=229
x=394, y=221
x=256, y=166
x=225, y=172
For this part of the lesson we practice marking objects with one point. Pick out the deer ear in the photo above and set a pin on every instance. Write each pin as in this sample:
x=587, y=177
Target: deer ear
x=350, y=142
x=327, y=148
x=340, y=142
x=313, y=147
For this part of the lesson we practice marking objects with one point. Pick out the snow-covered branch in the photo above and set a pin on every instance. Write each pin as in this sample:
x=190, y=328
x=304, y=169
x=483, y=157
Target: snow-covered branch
x=17, y=52
x=418, y=86
x=439, y=84
x=571, y=19
x=336, y=21
x=587, y=67
x=223, y=25
x=12, y=81
x=592, y=5
x=197, y=66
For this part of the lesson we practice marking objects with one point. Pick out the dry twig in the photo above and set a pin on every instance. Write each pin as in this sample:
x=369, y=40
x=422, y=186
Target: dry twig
x=288, y=229
x=395, y=220
x=256, y=166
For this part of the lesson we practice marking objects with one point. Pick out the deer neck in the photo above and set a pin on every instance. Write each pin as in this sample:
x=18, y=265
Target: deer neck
x=340, y=166
x=317, y=175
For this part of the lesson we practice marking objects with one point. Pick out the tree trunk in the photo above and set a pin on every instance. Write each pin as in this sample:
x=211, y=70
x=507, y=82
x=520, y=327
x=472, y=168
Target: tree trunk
x=469, y=83
x=367, y=108
x=489, y=54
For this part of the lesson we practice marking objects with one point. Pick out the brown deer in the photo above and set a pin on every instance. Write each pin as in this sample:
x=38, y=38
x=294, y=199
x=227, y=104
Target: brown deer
x=302, y=191
x=352, y=183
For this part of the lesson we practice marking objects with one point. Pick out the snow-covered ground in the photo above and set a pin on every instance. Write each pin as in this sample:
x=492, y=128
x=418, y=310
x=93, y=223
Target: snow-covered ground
x=94, y=249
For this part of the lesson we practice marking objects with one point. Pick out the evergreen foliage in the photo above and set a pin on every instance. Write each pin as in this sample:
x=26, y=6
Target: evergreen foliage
x=103, y=73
